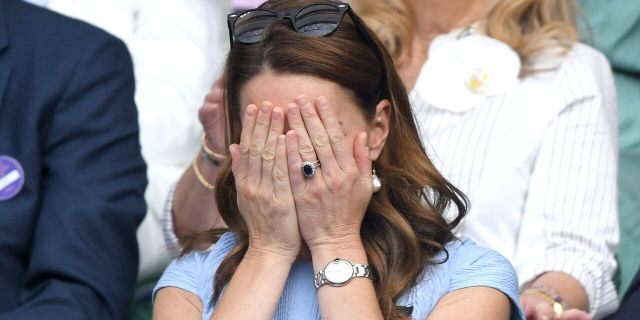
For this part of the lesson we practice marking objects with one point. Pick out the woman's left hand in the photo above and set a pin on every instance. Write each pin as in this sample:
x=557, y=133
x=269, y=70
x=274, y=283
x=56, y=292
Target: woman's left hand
x=536, y=308
x=330, y=205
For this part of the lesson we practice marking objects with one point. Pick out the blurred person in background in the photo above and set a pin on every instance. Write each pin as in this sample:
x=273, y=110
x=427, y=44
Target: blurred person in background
x=178, y=48
x=72, y=179
x=520, y=115
x=523, y=118
x=614, y=28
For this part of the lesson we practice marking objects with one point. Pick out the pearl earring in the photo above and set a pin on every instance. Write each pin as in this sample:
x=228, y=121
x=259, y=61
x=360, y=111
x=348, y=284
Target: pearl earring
x=377, y=183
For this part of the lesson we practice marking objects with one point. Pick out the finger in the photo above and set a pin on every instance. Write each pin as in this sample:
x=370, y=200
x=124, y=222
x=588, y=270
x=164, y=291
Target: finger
x=234, y=152
x=294, y=164
x=342, y=153
x=269, y=153
x=528, y=311
x=318, y=135
x=210, y=116
x=543, y=311
x=362, y=155
x=258, y=140
x=248, y=123
x=575, y=314
x=214, y=96
x=307, y=152
x=213, y=129
x=213, y=100
x=218, y=89
x=281, y=182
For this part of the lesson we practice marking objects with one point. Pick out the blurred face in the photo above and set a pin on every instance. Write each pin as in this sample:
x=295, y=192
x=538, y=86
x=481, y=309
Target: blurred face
x=282, y=89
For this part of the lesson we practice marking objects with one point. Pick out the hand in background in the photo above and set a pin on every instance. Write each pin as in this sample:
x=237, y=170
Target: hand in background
x=212, y=120
x=536, y=308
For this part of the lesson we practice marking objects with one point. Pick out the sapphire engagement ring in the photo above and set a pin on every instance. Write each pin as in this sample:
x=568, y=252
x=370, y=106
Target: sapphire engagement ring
x=309, y=168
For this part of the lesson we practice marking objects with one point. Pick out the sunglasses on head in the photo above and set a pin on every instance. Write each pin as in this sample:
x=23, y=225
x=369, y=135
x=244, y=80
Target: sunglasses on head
x=313, y=20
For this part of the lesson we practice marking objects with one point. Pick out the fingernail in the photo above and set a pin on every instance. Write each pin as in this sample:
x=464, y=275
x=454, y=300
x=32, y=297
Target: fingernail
x=265, y=108
x=292, y=110
x=251, y=110
x=303, y=101
x=277, y=113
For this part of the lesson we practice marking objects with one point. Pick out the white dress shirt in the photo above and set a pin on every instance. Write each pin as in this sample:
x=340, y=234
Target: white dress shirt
x=539, y=165
x=178, y=49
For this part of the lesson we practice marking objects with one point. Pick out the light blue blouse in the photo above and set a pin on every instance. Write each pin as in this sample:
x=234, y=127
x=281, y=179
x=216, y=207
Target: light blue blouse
x=468, y=266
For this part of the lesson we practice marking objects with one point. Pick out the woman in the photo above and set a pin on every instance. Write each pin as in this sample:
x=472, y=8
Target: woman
x=303, y=203
x=534, y=146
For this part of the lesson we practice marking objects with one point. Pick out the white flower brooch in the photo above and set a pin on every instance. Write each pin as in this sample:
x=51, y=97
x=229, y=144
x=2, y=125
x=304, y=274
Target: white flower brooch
x=464, y=67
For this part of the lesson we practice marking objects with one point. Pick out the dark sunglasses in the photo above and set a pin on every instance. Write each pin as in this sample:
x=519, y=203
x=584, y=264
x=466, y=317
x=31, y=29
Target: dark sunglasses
x=314, y=20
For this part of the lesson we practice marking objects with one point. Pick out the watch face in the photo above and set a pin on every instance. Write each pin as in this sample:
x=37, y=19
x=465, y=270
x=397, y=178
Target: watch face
x=338, y=272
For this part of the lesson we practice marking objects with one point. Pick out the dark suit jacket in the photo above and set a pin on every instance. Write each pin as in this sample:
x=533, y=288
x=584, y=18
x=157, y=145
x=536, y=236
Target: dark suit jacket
x=630, y=305
x=68, y=245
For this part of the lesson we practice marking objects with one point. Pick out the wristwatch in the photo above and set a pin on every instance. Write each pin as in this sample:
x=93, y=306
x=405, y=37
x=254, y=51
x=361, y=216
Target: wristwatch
x=339, y=272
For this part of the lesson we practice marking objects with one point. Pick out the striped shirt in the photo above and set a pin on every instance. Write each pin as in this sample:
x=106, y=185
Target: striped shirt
x=539, y=164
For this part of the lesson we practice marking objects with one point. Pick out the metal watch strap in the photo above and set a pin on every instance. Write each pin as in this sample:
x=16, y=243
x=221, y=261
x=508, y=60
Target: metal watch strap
x=359, y=271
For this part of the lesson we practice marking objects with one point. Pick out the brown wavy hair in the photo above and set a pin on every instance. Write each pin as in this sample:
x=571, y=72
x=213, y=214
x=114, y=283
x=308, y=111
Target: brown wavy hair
x=404, y=227
x=527, y=26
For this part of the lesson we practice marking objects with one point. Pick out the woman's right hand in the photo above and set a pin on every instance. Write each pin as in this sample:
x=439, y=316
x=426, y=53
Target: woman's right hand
x=265, y=199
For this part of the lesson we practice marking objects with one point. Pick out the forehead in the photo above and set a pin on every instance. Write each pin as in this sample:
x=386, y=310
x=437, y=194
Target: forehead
x=282, y=89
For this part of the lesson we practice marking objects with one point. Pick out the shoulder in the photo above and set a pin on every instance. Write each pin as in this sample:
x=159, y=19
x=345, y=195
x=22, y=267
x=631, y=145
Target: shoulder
x=48, y=25
x=582, y=72
x=56, y=56
x=582, y=55
x=473, y=266
x=61, y=42
x=194, y=272
x=468, y=261
x=463, y=264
